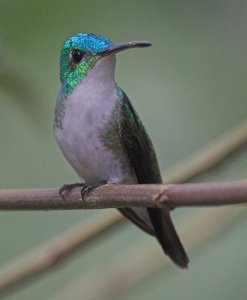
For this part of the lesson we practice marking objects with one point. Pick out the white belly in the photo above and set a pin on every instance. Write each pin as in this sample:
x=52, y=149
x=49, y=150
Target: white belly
x=79, y=137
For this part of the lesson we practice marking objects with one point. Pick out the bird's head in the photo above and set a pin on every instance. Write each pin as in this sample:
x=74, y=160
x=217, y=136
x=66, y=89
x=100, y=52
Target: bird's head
x=83, y=51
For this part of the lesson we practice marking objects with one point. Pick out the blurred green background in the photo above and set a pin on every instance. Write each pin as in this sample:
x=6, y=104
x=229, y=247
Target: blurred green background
x=188, y=89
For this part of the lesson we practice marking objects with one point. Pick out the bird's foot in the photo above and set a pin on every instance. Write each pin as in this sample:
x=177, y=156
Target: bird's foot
x=66, y=188
x=88, y=187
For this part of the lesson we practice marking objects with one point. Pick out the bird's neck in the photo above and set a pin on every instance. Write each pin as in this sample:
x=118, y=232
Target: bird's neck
x=98, y=79
x=98, y=90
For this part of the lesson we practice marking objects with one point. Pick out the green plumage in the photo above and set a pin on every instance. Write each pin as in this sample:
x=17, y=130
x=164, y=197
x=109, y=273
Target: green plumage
x=101, y=134
x=141, y=155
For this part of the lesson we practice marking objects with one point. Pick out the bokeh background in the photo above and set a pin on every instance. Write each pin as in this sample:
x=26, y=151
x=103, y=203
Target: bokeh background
x=188, y=89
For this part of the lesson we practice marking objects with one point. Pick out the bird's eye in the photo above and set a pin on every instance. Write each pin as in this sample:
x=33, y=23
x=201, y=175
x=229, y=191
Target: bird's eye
x=77, y=55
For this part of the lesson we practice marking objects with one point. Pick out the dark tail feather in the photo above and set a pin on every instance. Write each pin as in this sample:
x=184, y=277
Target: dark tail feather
x=167, y=236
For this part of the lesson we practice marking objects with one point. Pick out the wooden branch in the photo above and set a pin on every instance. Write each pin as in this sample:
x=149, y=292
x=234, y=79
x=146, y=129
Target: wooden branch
x=30, y=266
x=116, y=196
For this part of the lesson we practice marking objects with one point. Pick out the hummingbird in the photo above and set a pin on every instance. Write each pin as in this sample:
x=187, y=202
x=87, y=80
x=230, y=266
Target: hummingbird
x=101, y=135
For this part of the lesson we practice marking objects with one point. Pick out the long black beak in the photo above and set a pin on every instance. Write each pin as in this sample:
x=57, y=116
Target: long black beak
x=124, y=46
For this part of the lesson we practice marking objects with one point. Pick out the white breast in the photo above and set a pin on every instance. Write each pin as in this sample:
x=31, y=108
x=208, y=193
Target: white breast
x=87, y=112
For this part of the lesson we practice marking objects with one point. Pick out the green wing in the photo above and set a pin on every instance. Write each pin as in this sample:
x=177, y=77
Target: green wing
x=142, y=158
x=137, y=145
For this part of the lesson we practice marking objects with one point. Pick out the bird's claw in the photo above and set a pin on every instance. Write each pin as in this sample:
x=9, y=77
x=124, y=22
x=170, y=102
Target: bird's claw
x=88, y=187
x=66, y=188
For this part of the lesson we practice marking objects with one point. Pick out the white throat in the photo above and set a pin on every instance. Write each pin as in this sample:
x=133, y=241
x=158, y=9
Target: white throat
x=99, y=80
x=94, y=98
